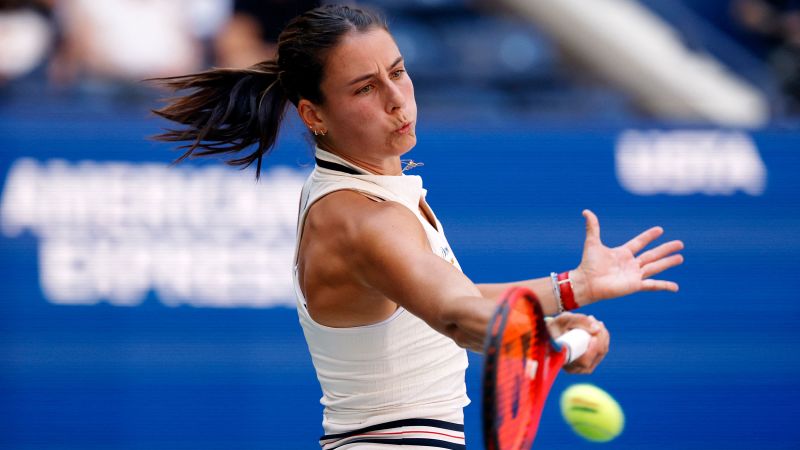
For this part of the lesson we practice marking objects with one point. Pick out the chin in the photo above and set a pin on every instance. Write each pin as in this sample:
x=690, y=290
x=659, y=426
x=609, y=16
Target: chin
x=408, y=142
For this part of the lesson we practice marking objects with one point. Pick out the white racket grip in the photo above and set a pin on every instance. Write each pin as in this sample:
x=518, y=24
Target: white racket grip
x=577, y=341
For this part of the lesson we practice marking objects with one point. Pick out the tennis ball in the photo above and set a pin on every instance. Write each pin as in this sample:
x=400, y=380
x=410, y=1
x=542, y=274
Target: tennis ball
x=592, y=413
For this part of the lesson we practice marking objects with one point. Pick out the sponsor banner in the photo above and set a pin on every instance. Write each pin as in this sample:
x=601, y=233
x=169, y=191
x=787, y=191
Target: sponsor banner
x=114, y=231
x=145, y=305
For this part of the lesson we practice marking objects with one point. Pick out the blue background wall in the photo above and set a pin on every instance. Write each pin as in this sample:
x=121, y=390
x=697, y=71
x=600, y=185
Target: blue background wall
x=713, y=366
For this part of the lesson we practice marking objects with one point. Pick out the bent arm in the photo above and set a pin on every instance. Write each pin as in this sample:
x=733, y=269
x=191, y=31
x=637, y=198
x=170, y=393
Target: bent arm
x=391, y=254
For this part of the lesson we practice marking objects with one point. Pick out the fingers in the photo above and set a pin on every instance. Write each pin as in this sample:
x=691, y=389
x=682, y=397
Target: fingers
x=568, y=321
x=659, y=252
x=656, y=260
x=661, y=265
x=587, y=363
x=595, y=352
x=641, y=241
x=602, y=351
x=659, y=285
x=592, y=225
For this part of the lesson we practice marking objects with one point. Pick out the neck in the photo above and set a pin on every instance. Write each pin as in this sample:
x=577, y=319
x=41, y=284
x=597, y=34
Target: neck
x=376, y=166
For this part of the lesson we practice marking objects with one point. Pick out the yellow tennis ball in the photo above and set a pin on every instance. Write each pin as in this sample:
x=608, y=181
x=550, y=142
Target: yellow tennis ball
x=592, y=413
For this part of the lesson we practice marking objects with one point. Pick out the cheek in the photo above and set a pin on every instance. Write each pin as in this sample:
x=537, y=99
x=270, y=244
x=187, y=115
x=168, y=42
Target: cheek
x=362, y=118
x=367, y=110
x=354, y=116
x=357, y=122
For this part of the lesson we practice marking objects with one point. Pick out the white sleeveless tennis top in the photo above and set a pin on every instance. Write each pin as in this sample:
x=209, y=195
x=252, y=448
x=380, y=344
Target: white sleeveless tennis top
x=397, y=382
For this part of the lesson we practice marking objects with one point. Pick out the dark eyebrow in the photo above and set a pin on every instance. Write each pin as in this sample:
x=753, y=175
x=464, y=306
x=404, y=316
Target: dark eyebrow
x=370, y=75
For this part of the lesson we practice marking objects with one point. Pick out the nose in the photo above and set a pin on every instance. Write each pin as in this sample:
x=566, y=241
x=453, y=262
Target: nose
x=395, y=99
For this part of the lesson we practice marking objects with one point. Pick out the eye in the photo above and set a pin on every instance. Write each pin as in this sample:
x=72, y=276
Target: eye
x=364, y=90
x=397, y=74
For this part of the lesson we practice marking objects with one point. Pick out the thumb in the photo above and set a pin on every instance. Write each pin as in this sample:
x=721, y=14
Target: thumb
x=592, y=225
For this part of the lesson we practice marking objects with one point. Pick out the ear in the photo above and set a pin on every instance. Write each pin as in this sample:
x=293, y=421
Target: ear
x=311, y=115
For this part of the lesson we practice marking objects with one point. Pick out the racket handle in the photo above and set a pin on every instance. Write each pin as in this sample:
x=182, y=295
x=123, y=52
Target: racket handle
x=576, y=341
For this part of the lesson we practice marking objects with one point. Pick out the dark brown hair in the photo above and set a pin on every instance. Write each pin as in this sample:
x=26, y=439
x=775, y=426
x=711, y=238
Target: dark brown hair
x=228, y=110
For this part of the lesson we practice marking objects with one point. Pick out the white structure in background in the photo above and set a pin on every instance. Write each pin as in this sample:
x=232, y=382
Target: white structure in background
x=689, y=162
x=135, y=39
x=25, y=39
x=627, y=44
x=207, y=237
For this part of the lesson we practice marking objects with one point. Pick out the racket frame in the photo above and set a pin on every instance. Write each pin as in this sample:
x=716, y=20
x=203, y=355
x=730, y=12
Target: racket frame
x=552, y=358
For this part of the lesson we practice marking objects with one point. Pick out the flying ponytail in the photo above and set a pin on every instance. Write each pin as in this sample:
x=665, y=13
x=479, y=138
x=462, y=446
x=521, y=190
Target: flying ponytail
x=229, y=110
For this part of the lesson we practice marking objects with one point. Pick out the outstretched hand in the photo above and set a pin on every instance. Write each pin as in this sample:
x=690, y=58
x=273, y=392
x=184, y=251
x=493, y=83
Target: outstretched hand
x=606, y=272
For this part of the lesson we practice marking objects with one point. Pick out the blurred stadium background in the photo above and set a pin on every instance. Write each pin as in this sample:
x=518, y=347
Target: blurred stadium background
x=149, y=307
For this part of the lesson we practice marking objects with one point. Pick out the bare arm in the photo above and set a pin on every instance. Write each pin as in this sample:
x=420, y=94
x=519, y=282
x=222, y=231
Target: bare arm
x=540, y=286
x=390, y=253
x=434, y=290
x=604, y=272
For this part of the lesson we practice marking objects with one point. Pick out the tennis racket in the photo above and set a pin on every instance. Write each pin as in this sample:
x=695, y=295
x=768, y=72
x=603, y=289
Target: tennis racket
x=521, y=362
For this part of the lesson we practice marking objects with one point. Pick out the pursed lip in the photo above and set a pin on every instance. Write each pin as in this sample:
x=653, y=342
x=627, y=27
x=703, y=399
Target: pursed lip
x=405, y=128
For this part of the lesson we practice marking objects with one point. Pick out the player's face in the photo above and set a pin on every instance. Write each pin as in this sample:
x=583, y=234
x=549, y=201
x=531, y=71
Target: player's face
x=369, y=108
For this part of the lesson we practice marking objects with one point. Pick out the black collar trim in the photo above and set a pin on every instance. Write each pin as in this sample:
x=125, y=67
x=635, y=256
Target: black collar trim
x=337, y=167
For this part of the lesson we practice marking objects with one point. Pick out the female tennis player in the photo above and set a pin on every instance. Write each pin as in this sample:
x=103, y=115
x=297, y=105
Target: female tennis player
x=386, y=310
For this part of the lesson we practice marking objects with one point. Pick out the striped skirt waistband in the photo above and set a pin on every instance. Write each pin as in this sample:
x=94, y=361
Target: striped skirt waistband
x=407, y=432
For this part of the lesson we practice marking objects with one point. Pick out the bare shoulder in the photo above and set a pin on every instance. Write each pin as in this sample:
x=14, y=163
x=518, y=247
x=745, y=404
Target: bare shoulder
x=356, y=220
x=366, y=258
x=347, y=239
